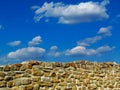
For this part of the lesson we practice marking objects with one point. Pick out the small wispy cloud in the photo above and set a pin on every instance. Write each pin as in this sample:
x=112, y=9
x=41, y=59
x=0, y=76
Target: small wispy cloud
x=106, y=31
x=89, y=41
x=14, y=43
x=102, y=33
x=105, y=2
x=54, y=52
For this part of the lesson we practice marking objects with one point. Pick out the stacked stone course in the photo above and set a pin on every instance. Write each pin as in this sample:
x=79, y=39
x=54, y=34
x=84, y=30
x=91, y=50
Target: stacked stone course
x=77, y=75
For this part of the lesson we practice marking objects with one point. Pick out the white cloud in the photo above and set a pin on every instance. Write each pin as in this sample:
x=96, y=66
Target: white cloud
x=80, y=51
x=54, y=52
x=104, y=49
x=53, y=48
x=106, y=31
x=105, y=2
x=73, y=13
x=83, y=51
x=14, y=43
x=103, y=32
x=27, y=53
x=89, y=41
x=35, y=41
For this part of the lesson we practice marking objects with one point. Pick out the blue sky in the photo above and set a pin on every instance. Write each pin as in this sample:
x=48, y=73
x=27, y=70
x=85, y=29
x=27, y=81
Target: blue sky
x=59, y=30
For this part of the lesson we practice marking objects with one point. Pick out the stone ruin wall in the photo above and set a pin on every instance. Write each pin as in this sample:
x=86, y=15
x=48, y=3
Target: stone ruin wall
x=79, y=75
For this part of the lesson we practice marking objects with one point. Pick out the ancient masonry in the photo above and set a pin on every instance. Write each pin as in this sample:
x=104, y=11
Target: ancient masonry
x=78, y=75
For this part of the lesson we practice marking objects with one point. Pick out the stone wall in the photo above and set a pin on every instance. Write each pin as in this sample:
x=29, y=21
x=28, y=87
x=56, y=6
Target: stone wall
x=78, y=75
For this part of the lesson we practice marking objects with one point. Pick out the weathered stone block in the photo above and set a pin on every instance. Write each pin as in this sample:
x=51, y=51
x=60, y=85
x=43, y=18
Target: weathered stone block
x=17, y=82
x=29, y=87
x=10, y=84
x=36, y=87
x=7, y=68
x=23, y=67
x=2, y=84
x=45, y=84
x=35, y=78
x=10, y=73
x=46, y=79
x=26, y=81
x=28, y=71
x=8, y=78
x=110, y=86
x=1, y=78
x=55, y=80
x=2, y=74
x=37, y=72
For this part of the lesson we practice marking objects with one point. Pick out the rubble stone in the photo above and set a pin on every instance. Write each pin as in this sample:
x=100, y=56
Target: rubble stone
x=77, y=75
x=2, y=84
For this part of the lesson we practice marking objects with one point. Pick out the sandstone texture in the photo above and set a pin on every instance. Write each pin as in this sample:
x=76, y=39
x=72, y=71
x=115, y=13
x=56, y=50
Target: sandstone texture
x=77, y=75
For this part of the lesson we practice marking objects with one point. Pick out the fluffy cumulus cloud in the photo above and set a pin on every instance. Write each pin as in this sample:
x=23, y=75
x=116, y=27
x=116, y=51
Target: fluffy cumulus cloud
x=80, y=51
x=54, y=52
x=106, y=31
x=27, y=53
x=35, y=41
x=72, y=13
x=83, y=51
x=14, y=43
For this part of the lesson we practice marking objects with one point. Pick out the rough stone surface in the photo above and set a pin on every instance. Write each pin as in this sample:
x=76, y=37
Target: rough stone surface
x=2, y=84
x=7, y=68
x=25, y=81
x=77, y=75
x=10, y=84
x=2, y=74
x=37, y=72
x=1, y=78
x=8, y=78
